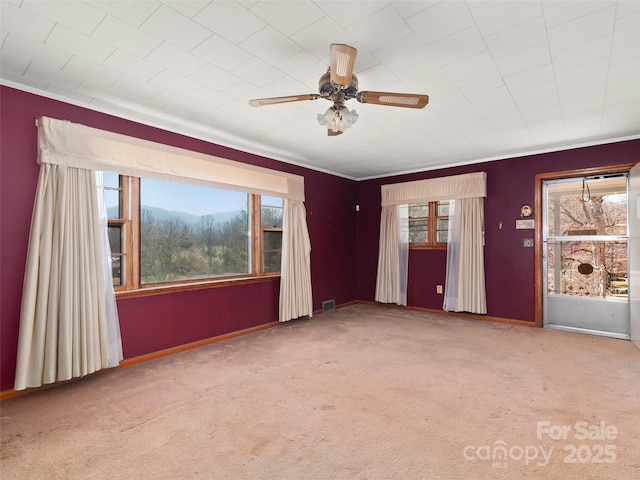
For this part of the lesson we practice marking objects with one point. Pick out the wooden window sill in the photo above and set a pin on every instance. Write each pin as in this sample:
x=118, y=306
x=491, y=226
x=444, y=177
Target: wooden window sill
x=190, y=286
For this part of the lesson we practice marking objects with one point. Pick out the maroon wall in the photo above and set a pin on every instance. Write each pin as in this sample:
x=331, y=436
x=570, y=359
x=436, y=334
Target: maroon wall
x=154, y=323
x=509, y=267
x=344, y=244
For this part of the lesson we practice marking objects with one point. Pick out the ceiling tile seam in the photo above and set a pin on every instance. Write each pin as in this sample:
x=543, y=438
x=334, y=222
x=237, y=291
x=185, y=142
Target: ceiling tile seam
x=117, y=50
x=240, y=44
x=346, y=27
x=53, y=48
x=104, y=16
x=444, y=38
x=513, y=25
x=121, y=74
x=292, y=33
x=530, y=123
x=24, y=72
x=564, y=111
x=289, y=37
x=606, y=89
x=591, y=59
x=472, y=104
x=213, y=32
x=170, y=5
x=160, y=40
x=250, y=58
x=573, y=19
x=188, y=19
x=445, y=147
x=58, y=23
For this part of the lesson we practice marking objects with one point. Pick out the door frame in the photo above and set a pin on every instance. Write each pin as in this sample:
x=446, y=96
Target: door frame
x=539, y=179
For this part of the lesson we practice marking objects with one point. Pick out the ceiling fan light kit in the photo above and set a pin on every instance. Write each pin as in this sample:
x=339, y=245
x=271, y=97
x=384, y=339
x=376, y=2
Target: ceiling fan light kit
x=338, y=119
x=340, y=84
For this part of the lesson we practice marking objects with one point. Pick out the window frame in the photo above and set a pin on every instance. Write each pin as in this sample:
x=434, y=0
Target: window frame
x=130, y=221
x=257, y=232
x=432, y=242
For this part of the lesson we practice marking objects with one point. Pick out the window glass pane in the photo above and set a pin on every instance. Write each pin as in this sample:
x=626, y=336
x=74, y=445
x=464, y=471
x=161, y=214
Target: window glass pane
x=271, y=211
x=115, y=238
x=191, y=232
x=443, y=236
x=443, y=223
x=588, y=268
x=112, y=200
x=419, y=210
x=115, y=233
x=271, y=216
x=416, y=225
x=597, y=208
x=418, y=230
x=444, y=208
x=117, y=271
x=272, y=241
x=111, y=180
x=272, y=262
x=265, y=200
x=418, y=236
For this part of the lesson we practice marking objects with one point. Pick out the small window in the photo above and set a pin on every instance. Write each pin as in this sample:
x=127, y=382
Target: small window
x=429, y=224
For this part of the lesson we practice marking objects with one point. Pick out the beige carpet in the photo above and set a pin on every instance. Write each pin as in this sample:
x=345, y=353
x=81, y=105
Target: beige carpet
x=361, y=393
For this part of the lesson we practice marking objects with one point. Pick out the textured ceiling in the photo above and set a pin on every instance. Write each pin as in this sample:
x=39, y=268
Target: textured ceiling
x=504, y=77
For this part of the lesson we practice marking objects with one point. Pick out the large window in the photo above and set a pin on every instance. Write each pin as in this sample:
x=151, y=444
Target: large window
x=429, y=224
x=167, y=233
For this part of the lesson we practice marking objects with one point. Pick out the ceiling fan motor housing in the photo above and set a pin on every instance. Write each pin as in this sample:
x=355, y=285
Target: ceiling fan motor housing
x=327, y=88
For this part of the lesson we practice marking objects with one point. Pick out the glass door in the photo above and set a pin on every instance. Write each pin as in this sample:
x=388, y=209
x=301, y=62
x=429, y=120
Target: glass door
x=585, y=254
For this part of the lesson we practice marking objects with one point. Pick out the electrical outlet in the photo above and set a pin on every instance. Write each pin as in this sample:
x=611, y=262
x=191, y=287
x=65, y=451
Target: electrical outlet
x=438, y=288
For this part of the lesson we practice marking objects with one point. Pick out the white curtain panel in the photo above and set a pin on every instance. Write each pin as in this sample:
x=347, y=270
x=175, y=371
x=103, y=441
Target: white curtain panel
x=464, y=285
x=64, y=325
x=465, y=280
x=403, y=253
x=113, y=321
x=393, y=255
x=296, y=299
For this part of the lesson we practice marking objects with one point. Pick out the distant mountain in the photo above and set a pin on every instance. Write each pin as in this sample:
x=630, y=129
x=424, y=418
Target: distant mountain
x=191, y=220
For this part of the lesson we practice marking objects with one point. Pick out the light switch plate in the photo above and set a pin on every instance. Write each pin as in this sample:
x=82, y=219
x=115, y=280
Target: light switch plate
x=527, y=242
x=524, y=224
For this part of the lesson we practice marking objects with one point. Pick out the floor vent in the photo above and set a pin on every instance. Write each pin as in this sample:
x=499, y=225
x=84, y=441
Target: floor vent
x=328, y=306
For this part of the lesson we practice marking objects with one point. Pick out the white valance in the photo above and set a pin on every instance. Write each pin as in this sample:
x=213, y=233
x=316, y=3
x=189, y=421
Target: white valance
x=65, y=143
x=470, y=185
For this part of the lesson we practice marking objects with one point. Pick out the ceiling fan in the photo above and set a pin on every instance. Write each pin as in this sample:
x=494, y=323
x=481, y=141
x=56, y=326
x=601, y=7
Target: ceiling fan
x=340, y=84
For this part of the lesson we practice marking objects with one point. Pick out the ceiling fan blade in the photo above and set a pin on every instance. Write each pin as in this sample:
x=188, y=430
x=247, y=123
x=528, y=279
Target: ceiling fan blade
x=331, y=133
x=407, y=100
x=261, y=102
x=343, y=58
